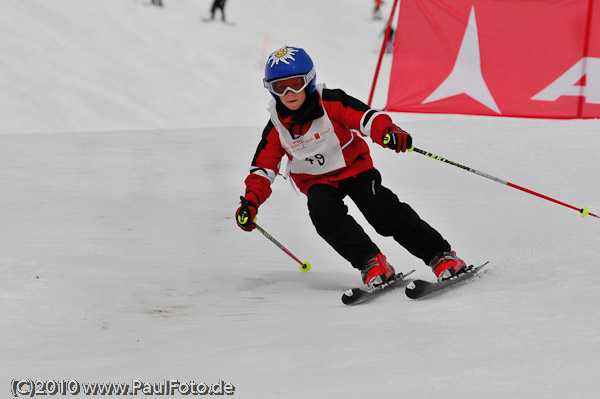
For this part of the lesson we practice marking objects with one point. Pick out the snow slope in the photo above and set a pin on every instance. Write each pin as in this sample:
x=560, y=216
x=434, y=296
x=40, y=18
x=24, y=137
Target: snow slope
x=125, y=138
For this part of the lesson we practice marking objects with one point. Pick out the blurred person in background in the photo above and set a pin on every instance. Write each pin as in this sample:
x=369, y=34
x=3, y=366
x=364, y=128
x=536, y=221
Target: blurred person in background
x=377, y=9
x=218, y=5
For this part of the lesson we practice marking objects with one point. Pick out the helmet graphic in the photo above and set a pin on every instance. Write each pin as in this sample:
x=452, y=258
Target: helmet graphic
x=286, y=62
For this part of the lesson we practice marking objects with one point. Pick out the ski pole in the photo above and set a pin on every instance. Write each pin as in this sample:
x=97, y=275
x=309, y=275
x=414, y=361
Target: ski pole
x=584, y=211
x=304, y=266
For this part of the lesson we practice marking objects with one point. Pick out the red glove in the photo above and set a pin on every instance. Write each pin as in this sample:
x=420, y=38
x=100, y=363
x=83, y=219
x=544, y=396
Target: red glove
x=246, y=214
x=397, y=139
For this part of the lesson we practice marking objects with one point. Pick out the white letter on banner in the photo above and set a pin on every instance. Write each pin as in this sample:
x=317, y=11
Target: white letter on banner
x=565, y=84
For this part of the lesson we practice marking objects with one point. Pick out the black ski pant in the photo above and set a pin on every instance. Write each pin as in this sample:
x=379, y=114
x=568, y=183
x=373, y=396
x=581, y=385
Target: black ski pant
x=381, y=208
x=220, y=5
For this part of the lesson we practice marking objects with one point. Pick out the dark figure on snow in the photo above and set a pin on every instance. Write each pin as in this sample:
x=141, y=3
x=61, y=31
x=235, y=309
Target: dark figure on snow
x=320, y=131
x=377, y=9
x=218, y=5
x=157, y=3
x=389, y=43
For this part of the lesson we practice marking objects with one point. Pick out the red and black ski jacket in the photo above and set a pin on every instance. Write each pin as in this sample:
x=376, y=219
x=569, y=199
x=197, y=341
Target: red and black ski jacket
x=322, y=142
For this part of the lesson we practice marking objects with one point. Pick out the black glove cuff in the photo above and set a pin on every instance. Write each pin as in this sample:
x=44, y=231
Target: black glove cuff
x=247, y=203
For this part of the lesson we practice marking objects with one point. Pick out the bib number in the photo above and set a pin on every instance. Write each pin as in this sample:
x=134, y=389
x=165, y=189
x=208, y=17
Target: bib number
x=319, y=158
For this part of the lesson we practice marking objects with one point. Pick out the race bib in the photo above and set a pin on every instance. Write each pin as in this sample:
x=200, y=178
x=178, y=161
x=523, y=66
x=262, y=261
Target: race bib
x=317, y=152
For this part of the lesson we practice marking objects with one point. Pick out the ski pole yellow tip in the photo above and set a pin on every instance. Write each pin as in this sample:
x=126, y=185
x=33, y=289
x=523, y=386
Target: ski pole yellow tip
x=305, y=267
x=585, y=212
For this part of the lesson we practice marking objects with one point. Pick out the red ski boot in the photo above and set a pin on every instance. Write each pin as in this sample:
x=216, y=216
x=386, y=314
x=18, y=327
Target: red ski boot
x=377, y=271
x=446, y=265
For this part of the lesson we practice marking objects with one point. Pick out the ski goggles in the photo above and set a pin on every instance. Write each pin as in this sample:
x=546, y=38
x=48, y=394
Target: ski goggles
x=295, y=83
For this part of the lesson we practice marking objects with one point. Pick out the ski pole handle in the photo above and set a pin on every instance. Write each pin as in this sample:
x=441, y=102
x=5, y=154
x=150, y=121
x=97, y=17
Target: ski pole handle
x=304, y=266
x=584, y=211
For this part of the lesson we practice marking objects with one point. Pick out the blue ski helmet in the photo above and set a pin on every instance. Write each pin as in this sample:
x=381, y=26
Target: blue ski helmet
x=290, y=61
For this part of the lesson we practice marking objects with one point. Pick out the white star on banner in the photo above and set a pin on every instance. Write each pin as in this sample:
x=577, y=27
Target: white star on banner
x=466, y=76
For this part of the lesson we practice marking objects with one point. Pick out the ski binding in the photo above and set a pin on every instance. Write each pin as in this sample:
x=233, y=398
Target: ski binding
x=421, y=288
x=358, y=295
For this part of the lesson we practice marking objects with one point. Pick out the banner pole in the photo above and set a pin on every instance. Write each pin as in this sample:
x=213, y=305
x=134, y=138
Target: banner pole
x=382, y=51
x=586, y=50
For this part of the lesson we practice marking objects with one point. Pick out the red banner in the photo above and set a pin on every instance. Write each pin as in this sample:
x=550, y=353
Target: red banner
x=505, y=58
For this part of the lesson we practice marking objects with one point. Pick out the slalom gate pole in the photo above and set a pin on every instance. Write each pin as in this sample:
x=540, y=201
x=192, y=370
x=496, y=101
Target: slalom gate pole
x=382, y=51
x=304, y=266
x=584, y=211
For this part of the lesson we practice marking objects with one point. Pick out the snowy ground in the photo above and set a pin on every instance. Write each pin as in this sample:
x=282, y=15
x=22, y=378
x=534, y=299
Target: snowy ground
x=125, y=138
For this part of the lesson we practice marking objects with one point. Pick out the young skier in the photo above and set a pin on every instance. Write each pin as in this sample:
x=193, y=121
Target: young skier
x=320, y=132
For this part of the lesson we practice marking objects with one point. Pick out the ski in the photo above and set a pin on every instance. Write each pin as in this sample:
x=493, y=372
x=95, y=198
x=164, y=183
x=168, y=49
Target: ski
x=358, y=295
x=208, y=20
x=421, y=288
